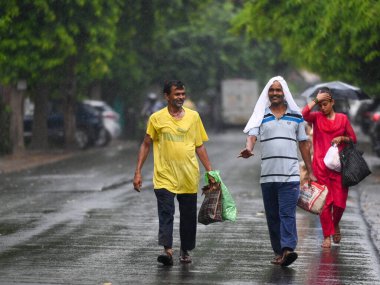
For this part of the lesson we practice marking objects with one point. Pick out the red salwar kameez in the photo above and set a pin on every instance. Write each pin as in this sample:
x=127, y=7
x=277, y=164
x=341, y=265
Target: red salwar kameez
x=324, y=131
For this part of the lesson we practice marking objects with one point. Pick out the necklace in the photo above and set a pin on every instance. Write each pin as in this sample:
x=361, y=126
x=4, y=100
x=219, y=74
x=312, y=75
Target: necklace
x=176, y=114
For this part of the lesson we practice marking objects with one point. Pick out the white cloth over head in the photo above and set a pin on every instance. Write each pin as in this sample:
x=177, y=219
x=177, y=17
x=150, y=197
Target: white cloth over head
x=263, y=102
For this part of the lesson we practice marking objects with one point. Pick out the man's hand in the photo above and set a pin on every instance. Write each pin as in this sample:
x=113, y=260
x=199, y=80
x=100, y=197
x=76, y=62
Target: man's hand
x=245, y=153
x=137, y=182
x=312, y=177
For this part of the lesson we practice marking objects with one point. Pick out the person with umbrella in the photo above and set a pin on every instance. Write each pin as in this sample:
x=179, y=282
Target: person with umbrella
x=329, y=128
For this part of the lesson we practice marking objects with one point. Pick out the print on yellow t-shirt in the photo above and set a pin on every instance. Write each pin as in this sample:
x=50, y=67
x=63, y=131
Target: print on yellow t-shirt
x=174, y=141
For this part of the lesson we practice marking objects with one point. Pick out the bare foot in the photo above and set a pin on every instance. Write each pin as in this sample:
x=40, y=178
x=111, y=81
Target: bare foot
x=337, y=236
x=168, y=251
x=277, y=260
x=326, y=242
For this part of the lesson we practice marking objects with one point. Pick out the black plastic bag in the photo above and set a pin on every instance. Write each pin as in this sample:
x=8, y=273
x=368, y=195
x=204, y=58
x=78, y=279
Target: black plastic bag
x=354, y=167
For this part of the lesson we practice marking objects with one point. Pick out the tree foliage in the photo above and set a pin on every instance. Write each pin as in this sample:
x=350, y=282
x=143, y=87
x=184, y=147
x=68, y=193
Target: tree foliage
x=193, y=42
x=64, y=47
x=336, y=39
x=57, y=43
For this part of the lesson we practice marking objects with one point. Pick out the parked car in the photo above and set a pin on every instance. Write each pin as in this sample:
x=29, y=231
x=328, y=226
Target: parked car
x=111, y=119
x=89, y=125
x=363, y=116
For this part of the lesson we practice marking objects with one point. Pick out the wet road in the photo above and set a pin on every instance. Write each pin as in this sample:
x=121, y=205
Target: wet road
x=80, y=222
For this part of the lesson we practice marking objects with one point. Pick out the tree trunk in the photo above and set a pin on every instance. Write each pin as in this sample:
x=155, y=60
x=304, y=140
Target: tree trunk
x=40, y=128
x=5, y=144
x=96, y=91
x=17, y=122
x=69, y=106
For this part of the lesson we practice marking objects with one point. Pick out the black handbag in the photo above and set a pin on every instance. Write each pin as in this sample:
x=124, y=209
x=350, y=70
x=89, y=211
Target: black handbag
x=354, y=167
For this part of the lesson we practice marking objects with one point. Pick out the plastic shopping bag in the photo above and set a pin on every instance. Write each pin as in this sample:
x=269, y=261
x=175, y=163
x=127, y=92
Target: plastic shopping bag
x=229, y=211
x=312, y=197
x=332, y=159
x=211, y=208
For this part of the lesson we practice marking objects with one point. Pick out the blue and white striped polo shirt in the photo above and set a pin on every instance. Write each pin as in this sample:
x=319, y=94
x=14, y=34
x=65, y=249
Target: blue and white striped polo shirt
x=279, y=147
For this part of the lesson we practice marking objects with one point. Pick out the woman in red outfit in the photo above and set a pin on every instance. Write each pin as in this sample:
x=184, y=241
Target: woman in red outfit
x=329, y=128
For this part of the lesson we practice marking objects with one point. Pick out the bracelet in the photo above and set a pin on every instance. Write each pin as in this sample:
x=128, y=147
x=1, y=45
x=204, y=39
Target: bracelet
x=315, y=100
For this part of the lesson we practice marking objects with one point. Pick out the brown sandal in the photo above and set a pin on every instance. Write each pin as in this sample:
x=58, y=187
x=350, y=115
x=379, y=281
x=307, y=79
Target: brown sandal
x=288, y=258
x=184, y=256
x=337, y=237
x=276, y=260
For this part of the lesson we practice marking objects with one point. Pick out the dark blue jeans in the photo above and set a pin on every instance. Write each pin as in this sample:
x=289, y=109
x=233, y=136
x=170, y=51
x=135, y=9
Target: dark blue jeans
x=280, y=203
x=187, y=222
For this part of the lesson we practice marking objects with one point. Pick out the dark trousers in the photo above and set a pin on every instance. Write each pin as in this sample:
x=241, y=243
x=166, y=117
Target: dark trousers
x=188, y=218
x=280, y=203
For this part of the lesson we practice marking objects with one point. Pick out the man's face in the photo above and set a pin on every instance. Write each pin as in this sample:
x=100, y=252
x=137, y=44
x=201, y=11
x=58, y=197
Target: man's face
x=177, y=97
x=276, y=94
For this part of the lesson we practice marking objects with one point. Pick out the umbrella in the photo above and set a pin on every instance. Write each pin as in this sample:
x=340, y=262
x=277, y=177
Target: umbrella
x=340, y=90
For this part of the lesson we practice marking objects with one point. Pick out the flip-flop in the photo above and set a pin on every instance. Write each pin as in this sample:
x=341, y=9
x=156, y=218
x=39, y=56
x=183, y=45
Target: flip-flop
x=276, y=260
x=288, y=258
x=337, y=237
x=184, y=257
x=165, y=259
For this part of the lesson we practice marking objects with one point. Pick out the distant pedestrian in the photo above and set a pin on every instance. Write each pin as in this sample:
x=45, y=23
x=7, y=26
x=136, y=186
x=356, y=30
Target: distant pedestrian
x=152, y=104
x=177, y=134
x=278, y=122
x=329, y=128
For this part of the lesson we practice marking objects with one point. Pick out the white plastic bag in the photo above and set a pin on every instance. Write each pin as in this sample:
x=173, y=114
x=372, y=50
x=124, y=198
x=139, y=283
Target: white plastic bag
x=332, y=160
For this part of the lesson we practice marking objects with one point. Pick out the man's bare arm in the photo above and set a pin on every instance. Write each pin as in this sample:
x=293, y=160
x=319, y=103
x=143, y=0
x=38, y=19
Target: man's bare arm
x=304, y=147
x=203, y=157
x=143, y=154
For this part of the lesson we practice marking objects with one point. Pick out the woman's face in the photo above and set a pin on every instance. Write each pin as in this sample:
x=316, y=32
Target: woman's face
x=326, y=106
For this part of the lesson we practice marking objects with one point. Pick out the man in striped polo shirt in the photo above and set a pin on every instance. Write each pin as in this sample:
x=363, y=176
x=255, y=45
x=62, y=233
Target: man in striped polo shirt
x=277, y=121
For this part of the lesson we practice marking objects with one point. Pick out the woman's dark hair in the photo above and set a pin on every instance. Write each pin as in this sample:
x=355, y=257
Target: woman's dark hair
x=326, y=90
x=169, y=83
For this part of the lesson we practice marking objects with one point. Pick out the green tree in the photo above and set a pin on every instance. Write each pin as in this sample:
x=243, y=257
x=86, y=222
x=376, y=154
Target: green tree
x=189, y=40
x=337, y=39
x=25, y=54
x=91, y=27
x=65, y=44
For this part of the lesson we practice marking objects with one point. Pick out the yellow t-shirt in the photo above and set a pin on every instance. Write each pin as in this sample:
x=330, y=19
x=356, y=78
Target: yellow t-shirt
x=174, y=141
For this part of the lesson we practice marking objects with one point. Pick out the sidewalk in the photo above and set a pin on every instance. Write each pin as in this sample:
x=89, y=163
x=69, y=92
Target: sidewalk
x=30, y=159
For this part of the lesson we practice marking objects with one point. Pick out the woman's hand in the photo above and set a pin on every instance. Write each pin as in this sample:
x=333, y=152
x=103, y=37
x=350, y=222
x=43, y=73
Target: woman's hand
x=321, y=96
x=338, y=140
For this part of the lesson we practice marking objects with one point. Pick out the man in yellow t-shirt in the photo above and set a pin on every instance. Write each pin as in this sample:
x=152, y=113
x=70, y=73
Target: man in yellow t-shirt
x=177, y=134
